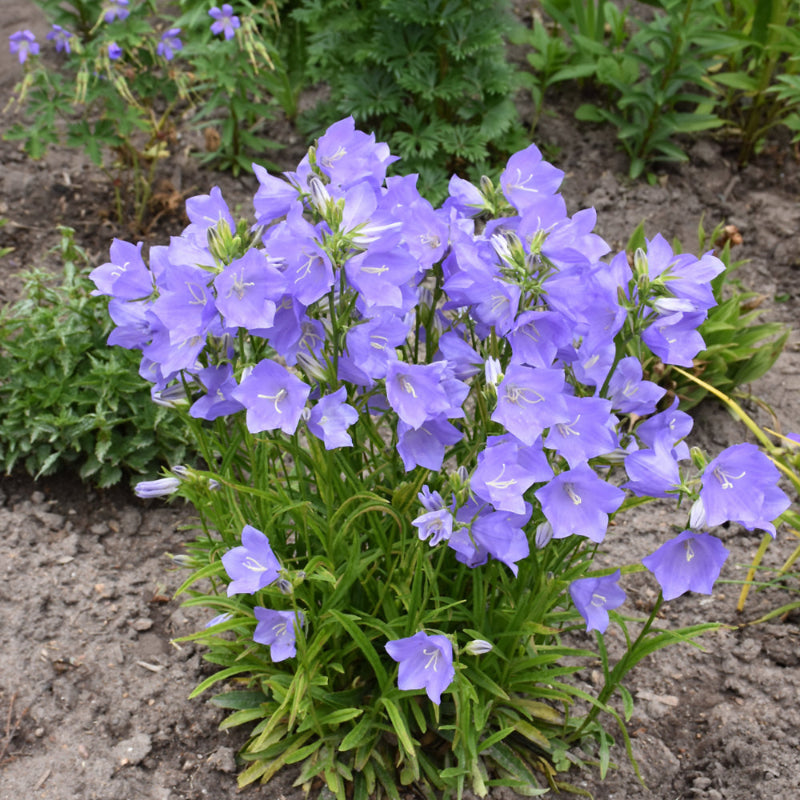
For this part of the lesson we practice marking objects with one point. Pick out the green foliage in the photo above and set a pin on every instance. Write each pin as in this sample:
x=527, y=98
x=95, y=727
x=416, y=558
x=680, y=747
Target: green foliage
x=357, y=569
x=67, y=398
x=739, y=349
x=695, y=66
x=4, y=251
x=430, y=77
x=657, y=83
x=760, y=82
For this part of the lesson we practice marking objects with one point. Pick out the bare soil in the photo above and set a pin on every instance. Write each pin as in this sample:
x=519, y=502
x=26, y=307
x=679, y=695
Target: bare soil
x=92, y=688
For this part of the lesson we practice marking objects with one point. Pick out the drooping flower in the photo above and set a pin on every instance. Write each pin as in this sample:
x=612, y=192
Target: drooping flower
x=224, y=21
x=593, y=597
x=278, y=630
x=740, y=485
x=114, y=51
x=689, y=562
x=653, y=472
x=23, y=43
x=253, y=565
x=169, y=44
x=60, y=38
x=426, y=662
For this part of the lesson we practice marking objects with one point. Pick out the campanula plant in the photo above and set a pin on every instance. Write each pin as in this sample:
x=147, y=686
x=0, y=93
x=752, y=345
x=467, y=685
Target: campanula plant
x=125, y=75
x=417, y=425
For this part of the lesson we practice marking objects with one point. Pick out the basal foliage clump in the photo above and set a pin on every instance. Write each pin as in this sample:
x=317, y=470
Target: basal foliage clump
x=67, y=399
x=418, y=424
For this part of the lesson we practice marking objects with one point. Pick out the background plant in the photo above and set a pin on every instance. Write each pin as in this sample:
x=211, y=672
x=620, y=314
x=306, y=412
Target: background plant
x=68, y=400
x=759, y=79
x=123, y=107
x=430, y=78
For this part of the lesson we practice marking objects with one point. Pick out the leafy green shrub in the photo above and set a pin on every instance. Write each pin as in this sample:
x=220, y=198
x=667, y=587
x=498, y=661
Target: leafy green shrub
x=430, y=77
x=67, y=398
x=739, y=349
x=761, y=81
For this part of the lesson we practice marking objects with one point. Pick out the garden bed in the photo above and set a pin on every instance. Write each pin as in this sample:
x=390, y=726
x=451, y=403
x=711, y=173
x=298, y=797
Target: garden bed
x=92, y=692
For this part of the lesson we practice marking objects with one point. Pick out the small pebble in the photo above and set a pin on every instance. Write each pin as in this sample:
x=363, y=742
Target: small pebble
x=142, y=624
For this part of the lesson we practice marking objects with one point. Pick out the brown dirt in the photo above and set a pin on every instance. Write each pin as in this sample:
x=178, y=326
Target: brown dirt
x=92, y=692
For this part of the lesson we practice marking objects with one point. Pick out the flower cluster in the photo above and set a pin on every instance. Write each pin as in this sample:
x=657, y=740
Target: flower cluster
x=485, y=342
x=23, y=43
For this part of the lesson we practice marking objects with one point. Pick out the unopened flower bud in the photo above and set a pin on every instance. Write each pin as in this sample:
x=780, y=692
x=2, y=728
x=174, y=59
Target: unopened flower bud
x=544, y=533
x=170, y=397
x=477, y=647
x=697, y=515
x=285, y=586
x=640, y=266
x=157, y=488
x=320, y=197
x=493, y=371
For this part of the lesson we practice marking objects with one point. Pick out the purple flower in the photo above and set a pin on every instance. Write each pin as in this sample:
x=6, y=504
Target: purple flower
x=740, y=485
x=114, y=51
x=23, y=43
x=527, y=178
x=348, y=156
x=217, y=402
x=529, y=400
x=225, y=21
x=593, y=597
x=169, y=43
x=629, y=393
x=157, y=488
x=578, y=501
x=278, y=629
x=248, y=291
x=426, y=662
x=253, y=565
x=674, y=337
x=126, y=276
x=506, y=470
x=331, y=417
x=689, y=562
x=435, y=525
x=425, y=446
x=60, y=37
x=590, y=432
x=417, y=392
x=273, y=396
x=653, y=473
x=115, y=9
